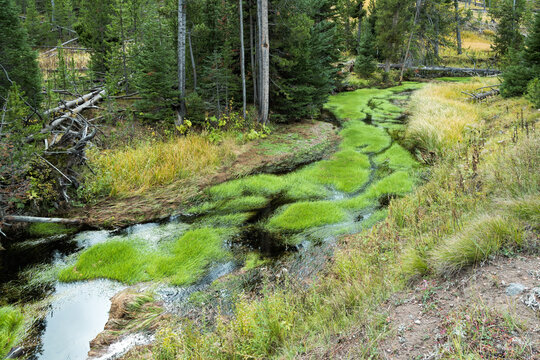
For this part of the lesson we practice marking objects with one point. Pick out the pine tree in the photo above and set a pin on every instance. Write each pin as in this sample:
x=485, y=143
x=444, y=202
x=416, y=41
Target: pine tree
x=155, y=71
x=509, y=16
x=525, y=66
x=16, y=57
x=92, y=30
x=365, y=63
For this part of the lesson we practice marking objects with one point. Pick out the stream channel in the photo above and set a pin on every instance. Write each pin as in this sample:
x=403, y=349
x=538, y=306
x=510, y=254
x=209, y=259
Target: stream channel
x=260, y=218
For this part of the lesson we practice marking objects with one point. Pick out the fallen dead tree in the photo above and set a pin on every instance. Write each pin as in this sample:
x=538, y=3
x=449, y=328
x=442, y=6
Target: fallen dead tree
x=482, y=95
x=449, y=71
x=33, y=219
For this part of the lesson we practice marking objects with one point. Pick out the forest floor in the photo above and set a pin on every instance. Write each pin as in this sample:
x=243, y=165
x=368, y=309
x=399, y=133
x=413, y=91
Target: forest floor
x=287, y=148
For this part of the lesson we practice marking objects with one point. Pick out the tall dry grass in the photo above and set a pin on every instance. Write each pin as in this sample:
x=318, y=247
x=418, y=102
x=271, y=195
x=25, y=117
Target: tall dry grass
x=133, y=170
x=440, y=115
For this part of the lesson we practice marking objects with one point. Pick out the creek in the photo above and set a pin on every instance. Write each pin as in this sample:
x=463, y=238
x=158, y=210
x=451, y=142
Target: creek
x=290, y=220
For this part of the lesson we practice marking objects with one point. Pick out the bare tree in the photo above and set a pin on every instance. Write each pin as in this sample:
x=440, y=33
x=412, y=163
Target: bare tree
x=264, y=65
x=458, y=28
x=242, y=57
x=181, y=111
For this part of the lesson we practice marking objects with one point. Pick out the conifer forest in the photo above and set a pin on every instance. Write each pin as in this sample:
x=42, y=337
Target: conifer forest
x=269, y=179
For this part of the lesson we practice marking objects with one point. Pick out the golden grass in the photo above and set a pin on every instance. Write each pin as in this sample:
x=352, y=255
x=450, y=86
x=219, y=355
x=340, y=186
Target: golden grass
x=49, y=62
x=442, y=113
x=132, y=170
x=475, y=41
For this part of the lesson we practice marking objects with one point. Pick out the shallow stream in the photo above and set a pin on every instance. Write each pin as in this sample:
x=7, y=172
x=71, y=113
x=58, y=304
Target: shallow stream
x=242, y=223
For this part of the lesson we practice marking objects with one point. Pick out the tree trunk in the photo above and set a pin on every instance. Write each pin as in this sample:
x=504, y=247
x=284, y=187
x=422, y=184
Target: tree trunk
x=262, y=11
x=193, y=65
x=124, y=54
x=181, y=111
x=252, y=53
x=242, y=57
x=418, y=4
x=458, y=28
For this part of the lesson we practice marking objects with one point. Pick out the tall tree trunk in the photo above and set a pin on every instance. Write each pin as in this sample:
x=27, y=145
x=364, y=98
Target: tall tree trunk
x=416, y=14
x=252, y=53
x=52, y=11
x=181, y=111
x=262, y=11
x=242, y=57
x=124, y=53
x=193, y=65
x=458, y=28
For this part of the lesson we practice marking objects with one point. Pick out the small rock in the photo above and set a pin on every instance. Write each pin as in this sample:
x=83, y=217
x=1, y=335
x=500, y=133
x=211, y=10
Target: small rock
x=417, y=322
x=532, y=299
x=515, y=289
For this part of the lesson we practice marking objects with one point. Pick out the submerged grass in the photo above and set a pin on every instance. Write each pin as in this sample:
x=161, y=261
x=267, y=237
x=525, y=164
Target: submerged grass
x=11, y=328
x=180, y=262
x=44, y=229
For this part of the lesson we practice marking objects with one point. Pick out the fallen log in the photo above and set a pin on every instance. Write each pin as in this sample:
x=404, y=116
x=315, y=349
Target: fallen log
x=448, y=70
x=72, y=103
x=482, y=95
x=33, y=219
x=52, y=51
x=56, y=122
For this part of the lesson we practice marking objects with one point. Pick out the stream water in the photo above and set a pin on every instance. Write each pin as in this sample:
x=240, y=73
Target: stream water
x=290, y=220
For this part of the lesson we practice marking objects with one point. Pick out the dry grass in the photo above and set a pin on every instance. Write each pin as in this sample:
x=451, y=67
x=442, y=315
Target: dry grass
x=440, y=115
x=133, y=170
x=49, y=62
x=475, y=41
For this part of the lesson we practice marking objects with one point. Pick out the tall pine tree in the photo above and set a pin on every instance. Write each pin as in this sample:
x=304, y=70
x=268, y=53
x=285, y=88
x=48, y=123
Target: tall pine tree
x=17, y=60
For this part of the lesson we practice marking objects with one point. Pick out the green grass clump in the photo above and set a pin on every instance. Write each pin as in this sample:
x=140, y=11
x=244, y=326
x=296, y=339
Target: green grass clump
x=398, y=183
x=229, y=220
x=305, y=215
x=300, y=186
x=263, y=185
x=253, y=260
x=11, y=329
x=481, y=239
x=122, y=260
x=358, y=135
x=189, y=257
x=241, y=204
x=397, y=158
x=44, y=229
x=131, y=261
x=347, y=171
x=527, y=209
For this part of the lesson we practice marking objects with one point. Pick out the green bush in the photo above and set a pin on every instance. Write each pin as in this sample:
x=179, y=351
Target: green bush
x=516, y=78
x=533, y=92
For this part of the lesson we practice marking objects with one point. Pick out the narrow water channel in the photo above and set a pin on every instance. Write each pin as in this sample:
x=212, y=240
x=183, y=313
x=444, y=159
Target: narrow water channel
x=264, y=216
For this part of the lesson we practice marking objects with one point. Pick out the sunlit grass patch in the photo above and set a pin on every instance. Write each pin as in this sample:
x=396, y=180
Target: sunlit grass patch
x=131, y=260
x=132, y=170
x=303, y=215
x=398, y=183
x=11, y=329
x=526, y=209
x=441, y=114
x=229, y=220
x=347, y=171
x=481, y=239
x=357, y=134
x=397, y=158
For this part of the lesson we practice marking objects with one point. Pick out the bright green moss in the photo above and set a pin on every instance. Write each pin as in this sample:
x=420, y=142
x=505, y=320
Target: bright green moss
x=300, y=186
x=11, y=329
x=304, y=215
x=189, y=257
x=399, y=183
x=397, y=158
x=262, y=185
x=120, y=260
x=356, y=203
x=44, y=229
x=131, y=260
x=358, y=135
x=347, y=171
x=253, y=260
